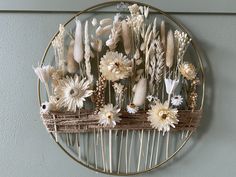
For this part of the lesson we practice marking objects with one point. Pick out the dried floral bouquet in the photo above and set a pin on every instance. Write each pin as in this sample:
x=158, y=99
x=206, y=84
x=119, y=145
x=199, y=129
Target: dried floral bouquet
x=129, y=73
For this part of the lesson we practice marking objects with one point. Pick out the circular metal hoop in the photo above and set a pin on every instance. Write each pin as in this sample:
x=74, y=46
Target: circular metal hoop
x=194, y=45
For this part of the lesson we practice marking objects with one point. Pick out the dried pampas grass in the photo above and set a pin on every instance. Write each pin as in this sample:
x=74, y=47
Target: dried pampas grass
x=163, y=33
x=96, y=44
x=78, y=46
x=126, y=36
x=87, y=53
x=72, y=65
x=170, y=48
x=140, y=92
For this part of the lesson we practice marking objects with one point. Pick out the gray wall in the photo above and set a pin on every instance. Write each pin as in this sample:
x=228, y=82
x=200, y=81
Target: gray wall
x=25, y=147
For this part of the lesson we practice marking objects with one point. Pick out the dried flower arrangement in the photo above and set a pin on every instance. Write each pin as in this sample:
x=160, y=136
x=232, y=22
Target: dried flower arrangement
x=128, y=73
x=137, y=66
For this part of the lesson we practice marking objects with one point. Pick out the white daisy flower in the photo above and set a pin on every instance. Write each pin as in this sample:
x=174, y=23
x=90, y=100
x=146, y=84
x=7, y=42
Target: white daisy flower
x=114, y=66
x=149, y=98
x=162, y=117
x=177, y=100
x=109, y=115
x=72, y=92
x=132, y=108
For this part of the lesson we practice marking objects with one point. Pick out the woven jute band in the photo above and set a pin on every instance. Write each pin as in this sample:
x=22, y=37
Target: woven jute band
x=86, y=121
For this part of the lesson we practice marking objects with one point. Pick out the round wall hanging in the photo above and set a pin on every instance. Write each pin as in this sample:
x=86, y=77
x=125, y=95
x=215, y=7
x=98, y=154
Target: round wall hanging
x=121, y=87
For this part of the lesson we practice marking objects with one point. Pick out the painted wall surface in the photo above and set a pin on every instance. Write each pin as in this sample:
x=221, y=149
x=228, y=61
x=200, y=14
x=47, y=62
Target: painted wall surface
x=25, y=147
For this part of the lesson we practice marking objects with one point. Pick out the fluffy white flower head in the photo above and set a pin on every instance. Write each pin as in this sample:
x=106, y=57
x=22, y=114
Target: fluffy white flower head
x=162, y=117
x=72, y=92
x=114, y=66
x=109, y=115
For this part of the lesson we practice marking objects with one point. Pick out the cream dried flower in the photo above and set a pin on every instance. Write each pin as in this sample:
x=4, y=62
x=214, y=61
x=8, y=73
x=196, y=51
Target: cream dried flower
x=177, y=100
x=56, y=75
x=119, y=88
x=44, y=73
x=188, y=70
x=109, y=115
x=132, y=108
x=72, y=92
x=119, y=92
x=114, y=66
x=134, y=9
x=162, y=117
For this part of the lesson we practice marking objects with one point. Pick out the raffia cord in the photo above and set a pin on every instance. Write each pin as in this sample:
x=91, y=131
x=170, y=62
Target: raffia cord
x=86, y=121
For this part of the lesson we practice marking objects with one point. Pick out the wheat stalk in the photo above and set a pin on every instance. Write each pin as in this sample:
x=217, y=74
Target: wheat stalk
x=159, y=71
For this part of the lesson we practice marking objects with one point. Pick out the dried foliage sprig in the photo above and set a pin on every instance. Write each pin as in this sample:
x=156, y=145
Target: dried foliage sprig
x=192, y=98
x=114, y=37
x=159, y=65
x=136, y=19
x=182, y=41
x=99, y=95
x=58, y=45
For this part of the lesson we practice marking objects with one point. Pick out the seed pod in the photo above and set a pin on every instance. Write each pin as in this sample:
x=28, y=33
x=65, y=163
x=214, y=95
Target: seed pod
x=170, y=49
x=105, y=21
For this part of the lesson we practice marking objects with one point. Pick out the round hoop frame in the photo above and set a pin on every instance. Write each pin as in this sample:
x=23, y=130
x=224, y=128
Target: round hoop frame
x=195, y=47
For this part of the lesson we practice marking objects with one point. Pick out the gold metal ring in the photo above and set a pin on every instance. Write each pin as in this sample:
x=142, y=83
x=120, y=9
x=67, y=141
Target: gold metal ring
x=195, y=47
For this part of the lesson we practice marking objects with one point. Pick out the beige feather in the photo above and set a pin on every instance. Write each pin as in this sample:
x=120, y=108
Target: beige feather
x=170, y=49
x=72, y=65
x=140, y=92
x=126, y=36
